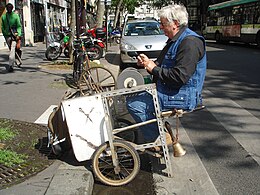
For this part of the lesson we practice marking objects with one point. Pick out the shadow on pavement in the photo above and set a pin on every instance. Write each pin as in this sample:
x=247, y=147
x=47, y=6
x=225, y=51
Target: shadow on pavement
x=110, y=57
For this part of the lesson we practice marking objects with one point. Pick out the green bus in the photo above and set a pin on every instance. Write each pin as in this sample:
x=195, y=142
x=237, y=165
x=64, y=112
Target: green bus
x=235, y=20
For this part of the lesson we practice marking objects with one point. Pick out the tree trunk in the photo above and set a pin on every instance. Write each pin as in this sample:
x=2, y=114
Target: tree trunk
x=72, y=28
x=117, y=13
x=83, y=20
x=100, y=13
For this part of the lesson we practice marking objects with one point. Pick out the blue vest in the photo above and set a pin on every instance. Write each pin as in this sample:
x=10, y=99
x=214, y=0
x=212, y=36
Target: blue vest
x=189, y=95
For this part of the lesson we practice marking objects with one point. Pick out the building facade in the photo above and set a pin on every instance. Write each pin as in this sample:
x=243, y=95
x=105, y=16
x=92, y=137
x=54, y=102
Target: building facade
x=194, y=8
x=38, y=17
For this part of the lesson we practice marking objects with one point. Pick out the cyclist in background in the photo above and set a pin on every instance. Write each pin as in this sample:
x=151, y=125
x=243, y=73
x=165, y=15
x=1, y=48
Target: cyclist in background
x=12, y=30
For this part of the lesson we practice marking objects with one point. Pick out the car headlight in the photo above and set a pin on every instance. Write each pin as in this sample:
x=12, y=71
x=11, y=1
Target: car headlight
x=127, y=46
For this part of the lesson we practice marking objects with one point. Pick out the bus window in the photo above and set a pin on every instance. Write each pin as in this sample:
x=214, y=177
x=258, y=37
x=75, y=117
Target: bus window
x=257, y=11
x=234, y=20
x=212, y=18
x=221, y=21
x=236, y=15
x=248, y=14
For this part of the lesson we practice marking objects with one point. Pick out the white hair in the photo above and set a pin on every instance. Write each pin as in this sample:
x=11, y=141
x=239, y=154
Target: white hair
x=176, y=12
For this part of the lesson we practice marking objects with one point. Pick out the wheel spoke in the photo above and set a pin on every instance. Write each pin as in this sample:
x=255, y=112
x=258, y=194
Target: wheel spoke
x=106, y=161
x=125, y=171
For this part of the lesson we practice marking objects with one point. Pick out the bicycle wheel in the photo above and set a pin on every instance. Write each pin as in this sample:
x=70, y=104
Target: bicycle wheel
x=94, y=52
x=78, y=67
x=97, y=79
x=66, y=51
x=52, y=53
x=129, y=163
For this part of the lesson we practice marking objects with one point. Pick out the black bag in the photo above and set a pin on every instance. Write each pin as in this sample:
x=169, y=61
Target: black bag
x=13, y=29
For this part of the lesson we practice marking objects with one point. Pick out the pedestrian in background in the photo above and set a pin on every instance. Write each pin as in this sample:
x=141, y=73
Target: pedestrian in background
x=12, y=31
x=178, y=72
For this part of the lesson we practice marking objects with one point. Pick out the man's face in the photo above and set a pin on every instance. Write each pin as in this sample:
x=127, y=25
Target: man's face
x=9, y=8
x=170, y=28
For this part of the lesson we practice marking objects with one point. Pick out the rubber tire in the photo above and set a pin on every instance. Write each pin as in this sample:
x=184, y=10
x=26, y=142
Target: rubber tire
x=48, y=52
x=57, y=150
x=258, y=39
x=218, y=37
x=118, y=40
x=60, y=148
x=115, y=180
x=97, y=50
x=66, y=52
x=78, y=68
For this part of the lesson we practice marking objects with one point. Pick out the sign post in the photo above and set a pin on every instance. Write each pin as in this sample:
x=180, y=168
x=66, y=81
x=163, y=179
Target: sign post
x=107, y=3
x=77, y=18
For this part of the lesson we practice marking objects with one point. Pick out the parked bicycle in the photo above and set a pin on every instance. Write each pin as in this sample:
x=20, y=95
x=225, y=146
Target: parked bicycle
x=89, y=79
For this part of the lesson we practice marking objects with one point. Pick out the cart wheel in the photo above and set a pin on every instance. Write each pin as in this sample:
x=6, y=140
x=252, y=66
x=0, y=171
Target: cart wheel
x=98, y=79
x=57, y=150
x=103, y=78
x=128, y=135
x=61, y=148
x=129, y=163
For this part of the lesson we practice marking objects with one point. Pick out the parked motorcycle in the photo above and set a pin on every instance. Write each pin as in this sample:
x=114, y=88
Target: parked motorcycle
x=115, y=36
x=94, y=47
x=101, y=44
x=98, y=33
x=55, y=48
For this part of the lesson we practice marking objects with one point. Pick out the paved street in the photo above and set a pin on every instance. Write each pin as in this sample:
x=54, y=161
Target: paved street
x=222, y=140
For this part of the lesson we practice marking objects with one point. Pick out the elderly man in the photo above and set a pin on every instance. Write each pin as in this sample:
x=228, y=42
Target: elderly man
x=178, y=72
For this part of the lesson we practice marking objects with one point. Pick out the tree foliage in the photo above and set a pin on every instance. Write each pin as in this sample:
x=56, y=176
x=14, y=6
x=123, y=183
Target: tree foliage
x=126, y=5
x=160, y=3
x=123, y=7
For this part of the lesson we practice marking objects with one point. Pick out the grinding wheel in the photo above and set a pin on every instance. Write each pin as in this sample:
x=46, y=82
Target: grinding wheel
x=129, y=78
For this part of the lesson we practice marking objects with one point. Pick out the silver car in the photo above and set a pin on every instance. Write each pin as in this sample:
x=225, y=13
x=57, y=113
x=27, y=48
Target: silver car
x=141, y=36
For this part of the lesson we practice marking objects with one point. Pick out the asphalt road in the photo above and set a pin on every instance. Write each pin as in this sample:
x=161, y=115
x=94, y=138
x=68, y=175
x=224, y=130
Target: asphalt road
x=226, y=135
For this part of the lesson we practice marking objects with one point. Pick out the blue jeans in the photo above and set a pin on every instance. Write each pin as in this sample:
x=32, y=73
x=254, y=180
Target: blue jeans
x=141, y=108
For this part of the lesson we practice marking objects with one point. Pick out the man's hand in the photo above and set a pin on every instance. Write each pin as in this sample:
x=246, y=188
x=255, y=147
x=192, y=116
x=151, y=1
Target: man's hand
x=18, y=38
x=144, y=61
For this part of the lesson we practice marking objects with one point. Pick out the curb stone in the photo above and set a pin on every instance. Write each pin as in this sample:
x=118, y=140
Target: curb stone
x=78, y=181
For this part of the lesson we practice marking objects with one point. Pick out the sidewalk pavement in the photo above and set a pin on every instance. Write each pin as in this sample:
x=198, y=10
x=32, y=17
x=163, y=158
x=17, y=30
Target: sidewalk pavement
x=63, y=177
